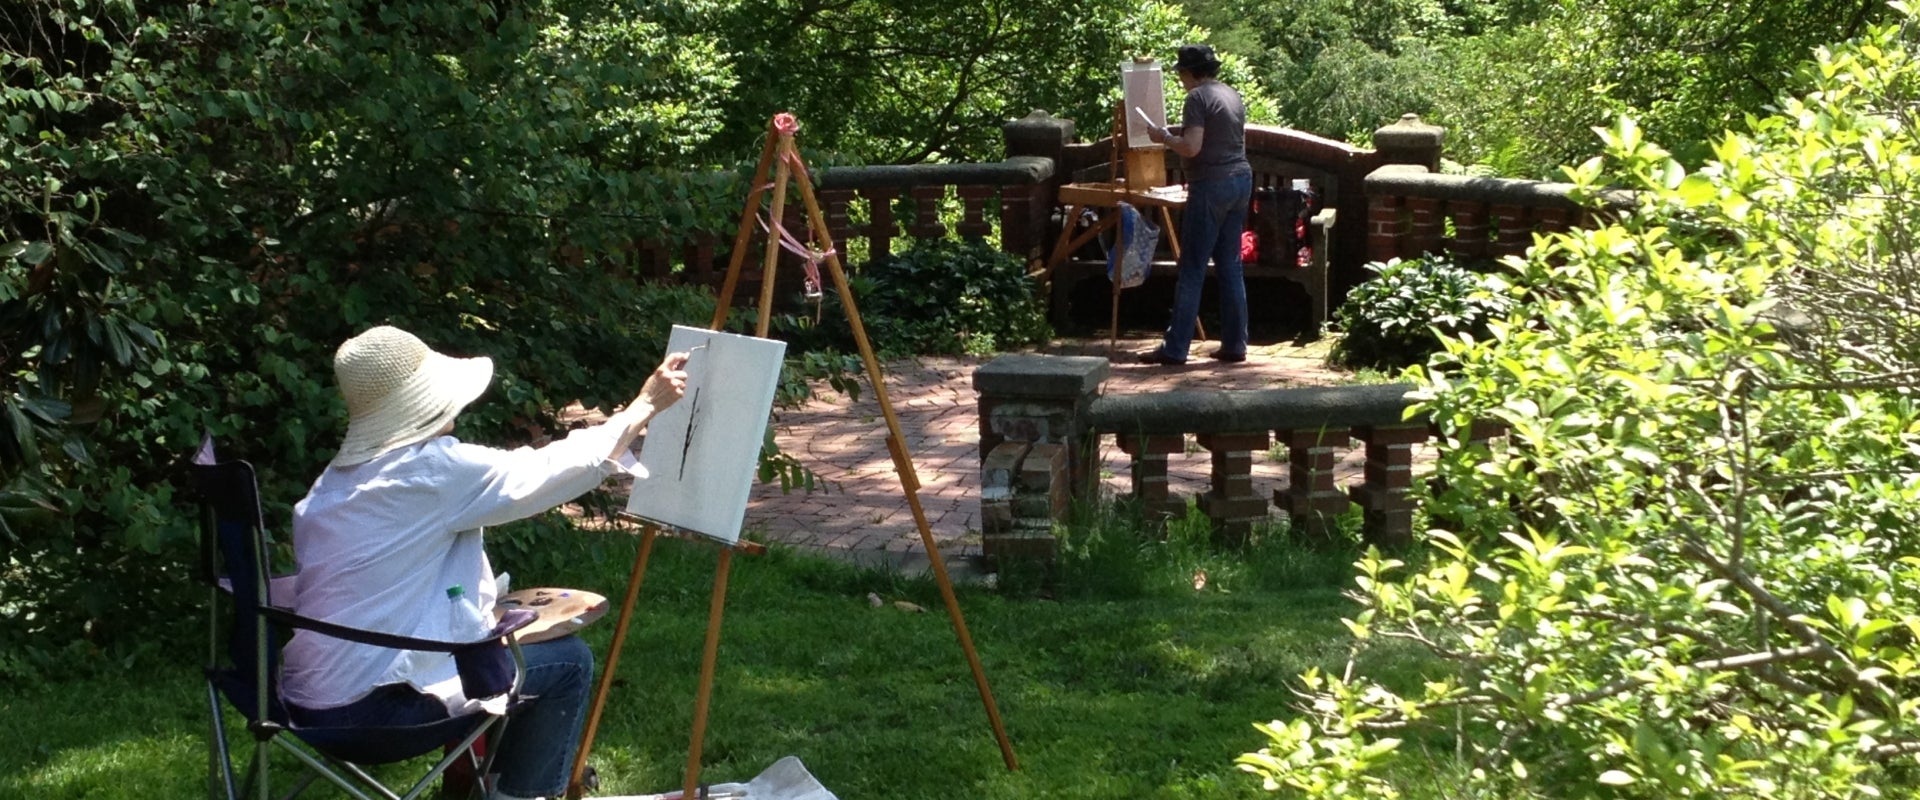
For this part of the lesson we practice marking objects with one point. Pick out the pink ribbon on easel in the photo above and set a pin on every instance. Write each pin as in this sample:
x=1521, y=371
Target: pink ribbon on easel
x=787, y=125
x=811, y=257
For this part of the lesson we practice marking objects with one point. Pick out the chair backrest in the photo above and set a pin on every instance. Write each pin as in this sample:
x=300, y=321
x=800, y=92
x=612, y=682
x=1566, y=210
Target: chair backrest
x=233, y=550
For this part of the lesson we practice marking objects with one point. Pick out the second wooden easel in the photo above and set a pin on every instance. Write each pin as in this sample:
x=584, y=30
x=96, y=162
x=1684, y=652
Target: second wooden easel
x=781, y=157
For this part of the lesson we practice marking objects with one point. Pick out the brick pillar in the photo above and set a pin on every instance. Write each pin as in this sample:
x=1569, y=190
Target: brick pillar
x=1383, y=228
x=1311, y=499
x=1037, y=134
x=1149, y=470
x=1469, y=228
x=1383, y=493
x=1023, y=221
x=1425, y=228
x=1036, y=452
x=998, y=470
x=1025, y=211
x=1231, y=503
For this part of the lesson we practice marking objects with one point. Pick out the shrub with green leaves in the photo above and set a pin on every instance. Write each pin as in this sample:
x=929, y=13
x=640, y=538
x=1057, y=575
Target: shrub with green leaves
x=949, y=296
x=1692, y=569
x=1399, y=317
x=198, y=203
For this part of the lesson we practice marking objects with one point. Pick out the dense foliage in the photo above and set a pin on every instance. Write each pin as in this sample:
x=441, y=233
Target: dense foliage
x=1399, y=317
x=945, y=296
x=1519, y=82
x=1691, y=570
x=902, y=81
x=199, y=201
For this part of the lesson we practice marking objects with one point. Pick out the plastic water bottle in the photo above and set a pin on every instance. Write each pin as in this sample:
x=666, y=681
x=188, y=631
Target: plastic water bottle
x=468, y=622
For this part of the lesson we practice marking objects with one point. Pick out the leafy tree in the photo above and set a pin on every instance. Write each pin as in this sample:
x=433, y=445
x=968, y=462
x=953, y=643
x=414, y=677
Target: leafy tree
x=1523, y=96
x=898, y=81
x=201, y=201
x=1691, y=570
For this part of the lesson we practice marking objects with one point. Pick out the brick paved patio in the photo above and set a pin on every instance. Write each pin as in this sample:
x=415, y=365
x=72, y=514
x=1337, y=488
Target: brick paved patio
x=863, y=515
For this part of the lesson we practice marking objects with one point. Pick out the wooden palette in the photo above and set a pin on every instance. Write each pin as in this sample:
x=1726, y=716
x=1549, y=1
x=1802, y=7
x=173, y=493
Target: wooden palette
x=562, y=611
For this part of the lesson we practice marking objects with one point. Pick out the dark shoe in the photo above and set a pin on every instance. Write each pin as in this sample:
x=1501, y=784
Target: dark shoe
x=1231, y=358
x=1158, y=357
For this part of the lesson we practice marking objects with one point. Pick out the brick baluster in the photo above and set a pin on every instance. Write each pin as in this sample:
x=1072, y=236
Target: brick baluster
x=1232, y=503
x=926, y=212
x=1469, y=228
x=1383, y=493
x=1383, y=228
x=833, y=206
x=1149, y=469
x=1425, y=228
x=1311, y=499
x=973, y=198
x=699, y=255
x=1511, y=235
x=1553, y=220
x=881, y=226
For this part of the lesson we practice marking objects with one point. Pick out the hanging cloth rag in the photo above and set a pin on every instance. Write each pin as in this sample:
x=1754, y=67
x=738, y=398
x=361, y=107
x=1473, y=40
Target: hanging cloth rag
x=1131, y=256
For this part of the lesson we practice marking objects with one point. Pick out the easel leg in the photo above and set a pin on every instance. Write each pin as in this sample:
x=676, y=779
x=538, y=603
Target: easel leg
x=739, y=253
x=1173, y=235
x=574, y=789
x=903, y=463
x=708, y=658
x=782, y=172
x=1060, y=248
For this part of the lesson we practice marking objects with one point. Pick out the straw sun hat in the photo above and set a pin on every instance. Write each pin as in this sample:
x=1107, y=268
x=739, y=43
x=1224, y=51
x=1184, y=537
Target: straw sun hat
x=399, y=391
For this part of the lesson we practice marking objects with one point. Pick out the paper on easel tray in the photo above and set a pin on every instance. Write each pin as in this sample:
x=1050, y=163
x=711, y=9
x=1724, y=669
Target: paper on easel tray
x=701, y=453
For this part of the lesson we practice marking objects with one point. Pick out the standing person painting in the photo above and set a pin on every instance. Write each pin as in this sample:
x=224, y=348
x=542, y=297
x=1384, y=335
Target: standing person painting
x=1212, y=141
x=396, y=520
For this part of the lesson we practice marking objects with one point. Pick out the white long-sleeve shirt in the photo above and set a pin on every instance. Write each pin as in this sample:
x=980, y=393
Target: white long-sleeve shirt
x=379, y=543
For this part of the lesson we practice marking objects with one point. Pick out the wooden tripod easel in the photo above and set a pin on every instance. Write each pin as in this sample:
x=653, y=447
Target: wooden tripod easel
x=781, y=157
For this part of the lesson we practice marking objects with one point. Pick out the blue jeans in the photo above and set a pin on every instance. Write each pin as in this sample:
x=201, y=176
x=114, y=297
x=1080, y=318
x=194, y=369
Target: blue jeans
x=536, y=755
x=1210, y=229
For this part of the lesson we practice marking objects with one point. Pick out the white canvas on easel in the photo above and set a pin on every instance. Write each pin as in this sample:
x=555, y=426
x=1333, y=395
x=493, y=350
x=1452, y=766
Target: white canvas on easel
x=1143, y=87
x=701, y=453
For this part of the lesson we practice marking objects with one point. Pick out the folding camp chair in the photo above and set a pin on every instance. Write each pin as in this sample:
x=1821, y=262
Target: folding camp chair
x=234, y=562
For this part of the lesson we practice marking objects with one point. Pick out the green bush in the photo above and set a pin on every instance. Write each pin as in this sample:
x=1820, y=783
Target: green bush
x=199, y=203
x=948, y=296
x=1399, y=318
x=1690, y=568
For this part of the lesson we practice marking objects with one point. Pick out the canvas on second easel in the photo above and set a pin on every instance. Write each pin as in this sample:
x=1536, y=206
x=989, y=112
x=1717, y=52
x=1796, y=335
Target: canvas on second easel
x=701, y=454
x=1143, y=87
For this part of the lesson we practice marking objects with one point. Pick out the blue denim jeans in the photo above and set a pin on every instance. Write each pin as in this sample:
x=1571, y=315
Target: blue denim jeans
x=1210, y=230
x=542, y=736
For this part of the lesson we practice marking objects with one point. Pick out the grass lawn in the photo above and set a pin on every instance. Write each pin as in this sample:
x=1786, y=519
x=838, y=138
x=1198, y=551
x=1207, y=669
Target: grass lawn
x=1116, y=679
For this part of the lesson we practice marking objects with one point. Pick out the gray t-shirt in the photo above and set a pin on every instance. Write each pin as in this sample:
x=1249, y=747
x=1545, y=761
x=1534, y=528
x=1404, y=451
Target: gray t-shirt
x=1216, y=108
